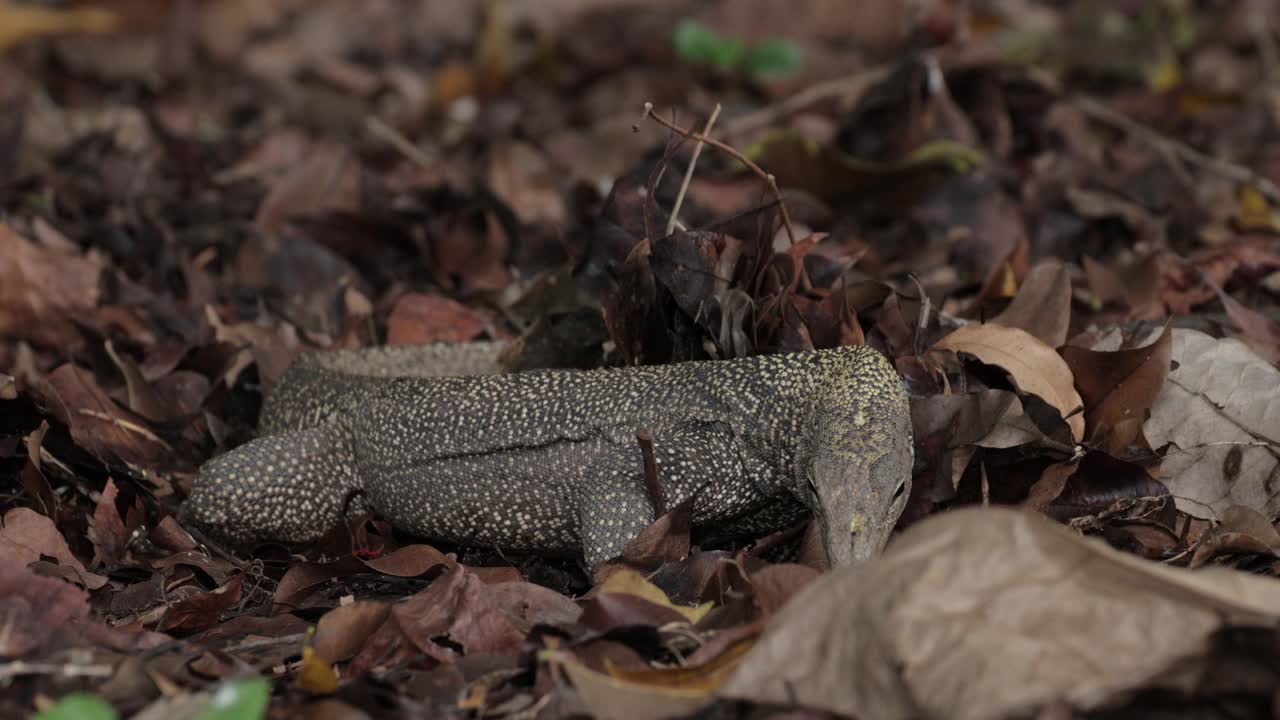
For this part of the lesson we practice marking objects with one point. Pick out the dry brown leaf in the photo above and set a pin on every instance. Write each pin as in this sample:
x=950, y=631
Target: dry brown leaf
x=1119, y=387
x=341, y=632
x=645, y=693
x=44, y=288
x=1219, y=413
x=420, y=319
x=1042, y=306
x=24, y=21
x=986, y=613
x=1035, y=367
x=524, y=179
x=26, y=535
x=630, y=582
x=1241, y=530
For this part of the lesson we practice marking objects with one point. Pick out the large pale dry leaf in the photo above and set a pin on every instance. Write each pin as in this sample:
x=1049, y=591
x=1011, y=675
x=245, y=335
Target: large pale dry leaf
x=1219, y=415
x=986, y=613
x=1035, y=367
x=1042, y=306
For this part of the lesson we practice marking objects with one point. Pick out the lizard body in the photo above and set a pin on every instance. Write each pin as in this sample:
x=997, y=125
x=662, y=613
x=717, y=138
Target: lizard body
x=548, y=460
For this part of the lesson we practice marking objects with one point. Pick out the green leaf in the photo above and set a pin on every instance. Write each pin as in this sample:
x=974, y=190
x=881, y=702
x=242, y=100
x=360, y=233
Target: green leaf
x=695, y=42
x=238, y=700
x=79, y=706
x=728, y=53
x=774, y=57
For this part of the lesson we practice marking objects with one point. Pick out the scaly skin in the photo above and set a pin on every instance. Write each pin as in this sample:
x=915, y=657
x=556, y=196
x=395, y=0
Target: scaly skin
x=548, y=460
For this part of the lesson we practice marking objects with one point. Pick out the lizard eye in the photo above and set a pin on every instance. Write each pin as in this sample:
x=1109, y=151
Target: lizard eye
x=811, y=487
x=900, y=494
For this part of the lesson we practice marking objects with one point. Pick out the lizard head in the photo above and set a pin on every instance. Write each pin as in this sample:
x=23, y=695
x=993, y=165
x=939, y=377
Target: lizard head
x=857, y=475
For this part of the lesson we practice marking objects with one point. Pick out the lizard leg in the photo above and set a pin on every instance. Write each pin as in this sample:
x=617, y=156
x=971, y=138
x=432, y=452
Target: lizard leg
x=290, y=486
x=614, y=506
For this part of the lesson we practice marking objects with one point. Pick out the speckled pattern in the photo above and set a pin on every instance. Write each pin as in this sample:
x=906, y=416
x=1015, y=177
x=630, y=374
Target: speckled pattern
x=548, y=460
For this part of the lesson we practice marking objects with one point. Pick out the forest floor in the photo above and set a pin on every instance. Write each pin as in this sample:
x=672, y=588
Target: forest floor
x=1059, y=220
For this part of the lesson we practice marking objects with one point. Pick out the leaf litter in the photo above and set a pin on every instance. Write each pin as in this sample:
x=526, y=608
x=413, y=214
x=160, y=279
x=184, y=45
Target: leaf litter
x=1058, y=220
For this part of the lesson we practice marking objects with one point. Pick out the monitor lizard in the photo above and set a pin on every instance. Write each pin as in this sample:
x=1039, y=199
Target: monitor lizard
x=548, y=460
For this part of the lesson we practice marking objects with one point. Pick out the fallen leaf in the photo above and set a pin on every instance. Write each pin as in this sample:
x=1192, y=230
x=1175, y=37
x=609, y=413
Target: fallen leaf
x=106, y=530
x=119, y=438
x=44, y=288
x=990, y=612
x=1218, y=417
x=1241, y=530
x=341, y=632
x=630, y=582
x=1256, y=329
x=1042, y=306
x=316, y=675
x=1119, y=388
x=21, y=21
x=202, y=610
x=457, y=615
x=644, y=693
x=1034, y=367
x=26, y=535
x=419, y=319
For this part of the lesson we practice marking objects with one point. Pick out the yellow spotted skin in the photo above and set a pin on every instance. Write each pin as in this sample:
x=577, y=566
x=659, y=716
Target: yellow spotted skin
x=548, y=460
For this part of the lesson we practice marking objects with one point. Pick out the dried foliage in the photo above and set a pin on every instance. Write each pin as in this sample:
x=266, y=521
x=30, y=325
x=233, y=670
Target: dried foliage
x=1060, y=221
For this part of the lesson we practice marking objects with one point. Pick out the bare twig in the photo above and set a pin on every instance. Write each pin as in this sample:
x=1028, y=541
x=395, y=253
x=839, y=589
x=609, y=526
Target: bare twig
x=18, y=668
x=651, y=484
x=688, y=173
x=125, y=425
x=732, y=152
x=397, y=140
x=1181, y=151
x=843, y=86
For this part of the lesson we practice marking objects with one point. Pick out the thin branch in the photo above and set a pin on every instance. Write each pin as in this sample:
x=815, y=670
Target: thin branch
x=397, y=140
x=1179, y=150
x=651, y=483
x=769, y=115
x=674, y=219
x=732, y=152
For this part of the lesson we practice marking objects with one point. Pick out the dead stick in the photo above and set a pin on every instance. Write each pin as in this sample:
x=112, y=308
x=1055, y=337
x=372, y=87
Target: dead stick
x=1182, y=151
x=732, y=152
x=651, y=484
x=688, y=173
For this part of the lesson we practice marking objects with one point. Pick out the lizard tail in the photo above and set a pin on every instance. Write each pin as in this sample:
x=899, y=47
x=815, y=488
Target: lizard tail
x=292, y=487
x=321, y=386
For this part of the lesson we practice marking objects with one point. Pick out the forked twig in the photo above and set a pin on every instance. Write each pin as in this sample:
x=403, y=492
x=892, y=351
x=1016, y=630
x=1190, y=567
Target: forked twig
x=1179, y=150
x=732, y=152
x=688, y=173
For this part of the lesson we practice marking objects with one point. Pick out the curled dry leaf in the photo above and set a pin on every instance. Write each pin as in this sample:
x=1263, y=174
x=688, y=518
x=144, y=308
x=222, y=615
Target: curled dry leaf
x=342, y=631
x=644, y=693
x=1242, y=530
x=984, y=613
x=1034, y=367
x=630, y=582
x=1218, y=417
